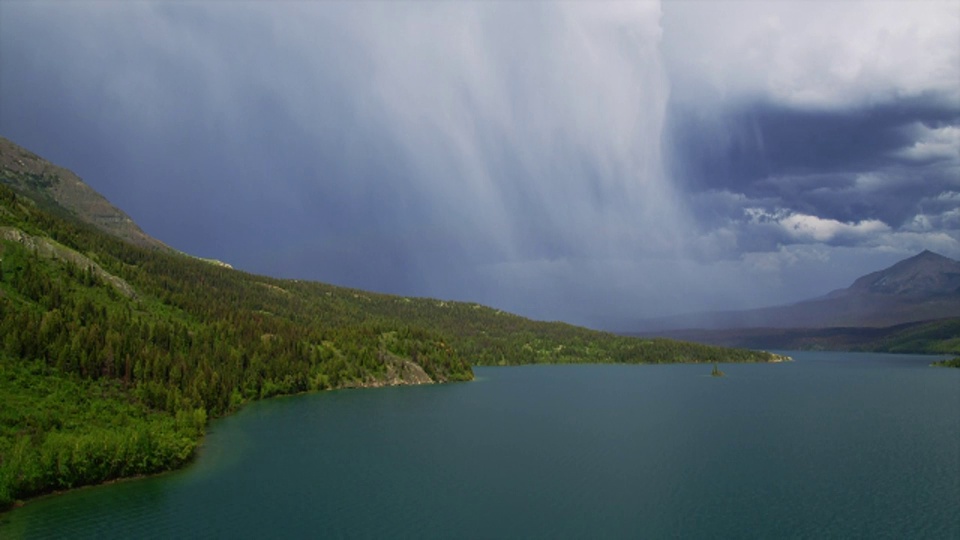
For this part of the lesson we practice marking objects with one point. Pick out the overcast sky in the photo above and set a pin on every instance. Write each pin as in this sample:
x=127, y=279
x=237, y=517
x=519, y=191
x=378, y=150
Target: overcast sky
x=597, y=163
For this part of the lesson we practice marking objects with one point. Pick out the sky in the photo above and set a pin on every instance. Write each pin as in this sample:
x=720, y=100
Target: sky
x=600, y=163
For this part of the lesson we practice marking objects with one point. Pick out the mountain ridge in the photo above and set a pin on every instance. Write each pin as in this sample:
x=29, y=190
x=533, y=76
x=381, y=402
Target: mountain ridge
x=62, y=188
x=923, y=275
x=923, y=287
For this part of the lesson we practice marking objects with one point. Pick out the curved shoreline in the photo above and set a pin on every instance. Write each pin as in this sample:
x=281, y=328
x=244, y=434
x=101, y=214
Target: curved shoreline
x=392, y=382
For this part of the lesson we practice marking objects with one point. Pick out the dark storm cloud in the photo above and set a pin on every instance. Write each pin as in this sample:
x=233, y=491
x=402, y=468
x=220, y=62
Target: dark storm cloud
x=855, y=176
x=775, y=140
x=511, y=154
x=826, y=125
x=449, y=150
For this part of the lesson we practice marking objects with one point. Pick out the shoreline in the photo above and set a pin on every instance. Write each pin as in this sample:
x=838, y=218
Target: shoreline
x=393, y=382
x=20, y=503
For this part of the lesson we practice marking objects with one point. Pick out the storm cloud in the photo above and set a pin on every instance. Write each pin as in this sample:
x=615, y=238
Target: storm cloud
x=591, y=162
x=826, y=123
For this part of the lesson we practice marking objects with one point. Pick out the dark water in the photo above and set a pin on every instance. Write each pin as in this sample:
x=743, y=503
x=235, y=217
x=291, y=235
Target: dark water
x=832, y=445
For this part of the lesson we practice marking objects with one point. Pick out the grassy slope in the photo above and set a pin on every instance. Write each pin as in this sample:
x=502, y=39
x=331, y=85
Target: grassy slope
x=134, y=376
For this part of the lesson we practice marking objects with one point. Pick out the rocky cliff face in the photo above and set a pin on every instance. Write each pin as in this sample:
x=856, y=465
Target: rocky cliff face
x=44, y=181
x=49, y=249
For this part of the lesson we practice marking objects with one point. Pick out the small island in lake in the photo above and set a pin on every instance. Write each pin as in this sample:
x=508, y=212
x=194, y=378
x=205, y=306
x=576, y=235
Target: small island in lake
x=716, y=371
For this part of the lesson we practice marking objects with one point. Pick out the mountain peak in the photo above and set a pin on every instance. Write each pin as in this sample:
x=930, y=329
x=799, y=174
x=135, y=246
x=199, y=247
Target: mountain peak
x=926, y=255
x=923, y=287
x=925, y=274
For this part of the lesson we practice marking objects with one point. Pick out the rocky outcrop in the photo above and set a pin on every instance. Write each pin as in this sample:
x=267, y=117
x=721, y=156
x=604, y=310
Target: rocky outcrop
x=400, y=372
x=49, y=249
x=404, y=372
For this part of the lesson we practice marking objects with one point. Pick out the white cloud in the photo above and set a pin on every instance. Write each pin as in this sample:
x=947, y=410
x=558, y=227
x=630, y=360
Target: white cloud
x=815, y=54
x=910, y=243
x=945, y=221
x=806, y=227
x=939, y=233
x=919, y=223
x=757, y=215
x=933, y=144
x=949, y=196
x=950, y=220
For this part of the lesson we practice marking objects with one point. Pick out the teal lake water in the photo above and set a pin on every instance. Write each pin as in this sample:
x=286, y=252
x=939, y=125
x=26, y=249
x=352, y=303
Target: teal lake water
x=831, y=445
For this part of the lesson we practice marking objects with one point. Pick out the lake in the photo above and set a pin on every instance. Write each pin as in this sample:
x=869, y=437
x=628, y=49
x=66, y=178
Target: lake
x=831, y=445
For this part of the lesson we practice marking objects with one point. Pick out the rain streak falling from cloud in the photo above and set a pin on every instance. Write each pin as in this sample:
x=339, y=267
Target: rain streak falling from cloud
x=592, y=162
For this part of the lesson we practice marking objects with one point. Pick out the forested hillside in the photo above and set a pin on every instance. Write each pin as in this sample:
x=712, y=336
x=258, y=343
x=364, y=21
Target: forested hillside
x=940, y=336
x=114, y=354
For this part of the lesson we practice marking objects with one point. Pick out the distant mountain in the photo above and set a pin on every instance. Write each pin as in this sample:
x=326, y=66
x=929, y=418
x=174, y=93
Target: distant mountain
x=921, y=288
x=921, y=277
x=63, y=190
